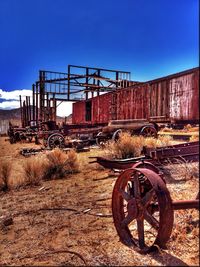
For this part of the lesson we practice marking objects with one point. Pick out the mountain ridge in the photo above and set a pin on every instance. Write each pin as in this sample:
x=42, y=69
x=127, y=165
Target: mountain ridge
x=15, y=114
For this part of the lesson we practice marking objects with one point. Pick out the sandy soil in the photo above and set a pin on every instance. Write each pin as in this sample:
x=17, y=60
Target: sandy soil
x=69, y=222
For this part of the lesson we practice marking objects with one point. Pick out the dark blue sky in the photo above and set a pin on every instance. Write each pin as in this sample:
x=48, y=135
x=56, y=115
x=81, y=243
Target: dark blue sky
x=150, y=38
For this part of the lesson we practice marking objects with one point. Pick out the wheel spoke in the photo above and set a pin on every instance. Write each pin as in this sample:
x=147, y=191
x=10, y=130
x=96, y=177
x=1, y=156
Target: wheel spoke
x=140, y=228
x=125, y=195
x=151, y=220
x=148, y=197
x=128, y=219
x=136, y=186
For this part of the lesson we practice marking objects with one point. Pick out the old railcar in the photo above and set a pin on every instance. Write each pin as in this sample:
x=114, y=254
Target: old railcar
x=173, y=99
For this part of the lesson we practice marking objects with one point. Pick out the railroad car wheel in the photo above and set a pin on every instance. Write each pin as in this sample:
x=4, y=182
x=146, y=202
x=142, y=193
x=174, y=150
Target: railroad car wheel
x=100, y=139
x=142, y=209
x=116, y=134
x=149, y=131
x=56, y=140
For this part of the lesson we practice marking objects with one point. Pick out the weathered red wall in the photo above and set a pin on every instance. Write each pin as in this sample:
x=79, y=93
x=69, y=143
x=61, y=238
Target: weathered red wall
x=175, y=96
x=78, y=112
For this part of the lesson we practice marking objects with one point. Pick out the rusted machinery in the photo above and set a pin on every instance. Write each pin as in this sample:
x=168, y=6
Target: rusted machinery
x=169, y=154
x=48, y=131
x=142, y=208
x=17, y=134
x=115, y=127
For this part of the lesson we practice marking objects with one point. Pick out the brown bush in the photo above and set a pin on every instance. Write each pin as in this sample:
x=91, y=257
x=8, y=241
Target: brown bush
x=131, y=146
x=60, y=163
x=164, y=140
x=127, y=146
x=33, y=170
x=5, y=171
x=194, y=138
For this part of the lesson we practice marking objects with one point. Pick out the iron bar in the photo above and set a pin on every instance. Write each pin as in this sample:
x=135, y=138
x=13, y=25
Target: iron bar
x=21, y=111
x=33, y=108
x=180, y=205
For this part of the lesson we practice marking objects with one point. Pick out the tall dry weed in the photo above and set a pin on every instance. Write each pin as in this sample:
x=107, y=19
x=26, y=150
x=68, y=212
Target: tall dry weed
x=34, y=170
x=184, y=170
x=126, y=146
x=194, y=138
x=60, y=164
x=129, y=146
x=5, y=171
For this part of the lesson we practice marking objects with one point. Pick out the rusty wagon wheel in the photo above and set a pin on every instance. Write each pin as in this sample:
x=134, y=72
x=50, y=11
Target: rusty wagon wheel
x=56, y=140
x=100, y=139
x=142, y=209
x=149, y=131
x=116, y=135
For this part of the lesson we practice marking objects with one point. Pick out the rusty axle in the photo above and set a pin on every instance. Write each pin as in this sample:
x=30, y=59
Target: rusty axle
x=180, y=205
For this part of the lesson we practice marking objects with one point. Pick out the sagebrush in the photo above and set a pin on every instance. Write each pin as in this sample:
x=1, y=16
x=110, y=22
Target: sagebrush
x=128, y=146
x=60, y=163
x=5, y=171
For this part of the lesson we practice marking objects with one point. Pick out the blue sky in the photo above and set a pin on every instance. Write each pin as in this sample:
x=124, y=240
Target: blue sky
x=150, y=38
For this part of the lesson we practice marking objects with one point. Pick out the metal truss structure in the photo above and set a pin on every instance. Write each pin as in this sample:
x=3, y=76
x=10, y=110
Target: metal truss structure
x=79, y=83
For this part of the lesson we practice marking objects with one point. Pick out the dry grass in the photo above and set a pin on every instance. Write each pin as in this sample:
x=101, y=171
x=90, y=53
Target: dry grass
x=5, y=171
x=194, y=138
x=34, y=170
x=191, y=128
x=39, y=231
x=185, y=170
x=164, y=140
x=187, y=128
x=126, y=147
x=131, y=146
x=60, y=164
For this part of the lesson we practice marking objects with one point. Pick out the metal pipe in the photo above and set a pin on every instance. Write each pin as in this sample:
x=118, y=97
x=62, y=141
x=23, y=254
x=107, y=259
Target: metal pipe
x=185, y=204
x=24, y=113
x=37, y=103
x=29, y=107
x=180, y=205
x=27, y=111
x=33, y=88
x=21, y=111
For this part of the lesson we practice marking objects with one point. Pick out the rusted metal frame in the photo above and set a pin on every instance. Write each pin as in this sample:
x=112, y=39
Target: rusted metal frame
x=68, y=100
x=42, y=92
x=127, y=163
x=27, y=111
x=33, y=108
x=54, y=107
x=21, y=111
x=98, y=82
x=94, y=86
x=56, y=83
x=37, y=107
x=30, y=109
x=187, y=149
x=25, y=114
x=86, y=82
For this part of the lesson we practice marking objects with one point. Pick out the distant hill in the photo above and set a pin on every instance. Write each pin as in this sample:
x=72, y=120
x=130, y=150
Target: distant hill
x=15, y=114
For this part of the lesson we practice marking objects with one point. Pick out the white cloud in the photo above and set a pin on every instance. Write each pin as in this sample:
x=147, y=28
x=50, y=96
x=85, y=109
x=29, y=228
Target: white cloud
x=14, y=95
x=9, y=104
x=12, y=101
x=64, y=109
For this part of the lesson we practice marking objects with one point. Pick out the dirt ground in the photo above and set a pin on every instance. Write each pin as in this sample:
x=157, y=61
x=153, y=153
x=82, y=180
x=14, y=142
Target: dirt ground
x=69, y=221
